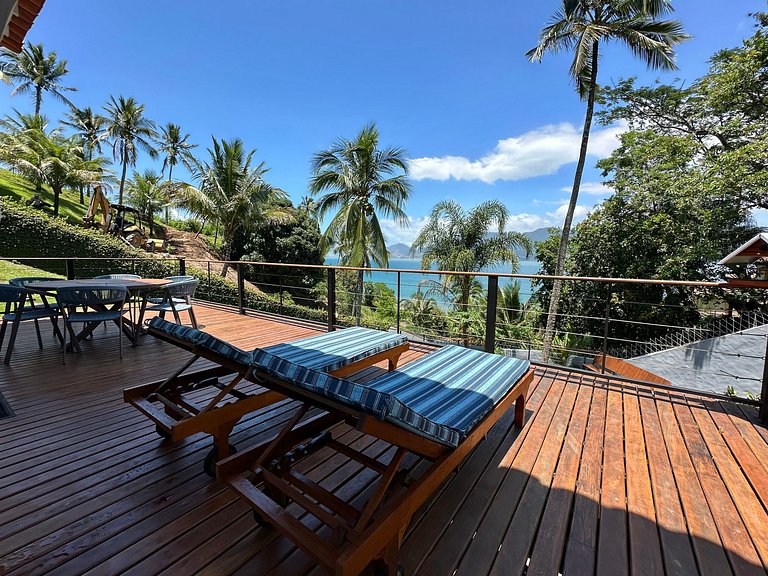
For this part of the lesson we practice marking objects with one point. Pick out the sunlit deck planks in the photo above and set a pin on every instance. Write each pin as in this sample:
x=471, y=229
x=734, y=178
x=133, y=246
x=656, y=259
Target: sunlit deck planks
x=605, y=478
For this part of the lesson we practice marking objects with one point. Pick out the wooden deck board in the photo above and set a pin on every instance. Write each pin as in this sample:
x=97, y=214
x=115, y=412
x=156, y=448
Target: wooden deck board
x=605, y=477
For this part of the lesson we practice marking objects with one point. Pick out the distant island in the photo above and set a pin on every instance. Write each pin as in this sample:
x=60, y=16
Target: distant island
x=401, y=250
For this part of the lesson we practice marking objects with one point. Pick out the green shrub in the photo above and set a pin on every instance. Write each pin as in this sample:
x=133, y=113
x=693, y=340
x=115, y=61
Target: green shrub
x=26, y=233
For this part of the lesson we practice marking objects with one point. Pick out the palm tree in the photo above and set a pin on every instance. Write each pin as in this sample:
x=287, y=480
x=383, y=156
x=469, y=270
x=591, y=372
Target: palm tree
x=232, y=192
x=174, y=147
x=361, y=181
x=129, y=131
x=146, y=193
x=581, y=26
x=460, y=241
x=32, y=70
x=51, y=159
x=89, y=128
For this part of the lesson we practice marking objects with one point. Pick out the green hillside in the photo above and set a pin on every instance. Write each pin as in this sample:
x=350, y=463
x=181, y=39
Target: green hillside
x=18, y=188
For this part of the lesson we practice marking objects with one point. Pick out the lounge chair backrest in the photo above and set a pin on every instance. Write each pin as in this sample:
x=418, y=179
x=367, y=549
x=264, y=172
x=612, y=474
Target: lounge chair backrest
x=203, y=339
x=179, y=278
x=340, y=390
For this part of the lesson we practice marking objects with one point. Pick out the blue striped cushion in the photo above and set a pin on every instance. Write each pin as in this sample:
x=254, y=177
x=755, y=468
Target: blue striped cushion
x=441, y=396
x=334, y=350
x=203, y=339
x=446, y=393
x=343, y=391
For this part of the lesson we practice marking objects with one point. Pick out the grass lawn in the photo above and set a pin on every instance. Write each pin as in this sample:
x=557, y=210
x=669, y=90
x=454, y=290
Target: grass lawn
x=10, y=269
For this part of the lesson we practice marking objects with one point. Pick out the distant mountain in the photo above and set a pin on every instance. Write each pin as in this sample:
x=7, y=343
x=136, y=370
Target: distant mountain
x=401, y=250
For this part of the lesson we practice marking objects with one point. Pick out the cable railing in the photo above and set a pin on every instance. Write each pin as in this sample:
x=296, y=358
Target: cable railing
x=680, y=332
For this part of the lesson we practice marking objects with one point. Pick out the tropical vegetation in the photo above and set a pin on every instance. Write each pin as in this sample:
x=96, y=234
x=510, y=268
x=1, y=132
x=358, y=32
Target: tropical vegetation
x=582, y=26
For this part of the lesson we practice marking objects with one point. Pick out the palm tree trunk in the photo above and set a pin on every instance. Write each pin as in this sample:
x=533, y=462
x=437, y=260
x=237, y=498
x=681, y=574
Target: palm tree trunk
x=56, y=195
x=38, y=99
x=554, y=297
x=122, y=178
x=167, y=209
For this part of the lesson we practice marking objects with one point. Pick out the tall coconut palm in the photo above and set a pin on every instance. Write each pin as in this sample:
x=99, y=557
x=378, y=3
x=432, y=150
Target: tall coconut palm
x=129, y=131
x=88, y=127
x=455, y=240
x=581, y=26
x=32, y=70
x=14, y=130
x=147, y=194
x=232, y=192
x=174, y=147
x=361, y=181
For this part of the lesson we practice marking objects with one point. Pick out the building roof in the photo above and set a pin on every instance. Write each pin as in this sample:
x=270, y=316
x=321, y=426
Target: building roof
x=748, y=252
x=17, y=17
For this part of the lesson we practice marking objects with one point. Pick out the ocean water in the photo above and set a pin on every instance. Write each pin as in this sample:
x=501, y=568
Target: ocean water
x=409, y=282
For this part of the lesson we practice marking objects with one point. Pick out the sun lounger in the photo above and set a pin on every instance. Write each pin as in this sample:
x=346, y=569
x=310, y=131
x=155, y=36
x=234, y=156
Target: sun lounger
x=438, y=407
x=213, y=400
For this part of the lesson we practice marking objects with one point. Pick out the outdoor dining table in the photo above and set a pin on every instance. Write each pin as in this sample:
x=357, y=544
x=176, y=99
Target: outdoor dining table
x=137, y=287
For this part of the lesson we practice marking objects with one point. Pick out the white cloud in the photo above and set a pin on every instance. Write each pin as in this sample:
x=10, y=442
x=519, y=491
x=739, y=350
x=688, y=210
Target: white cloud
x=393, y=233
x=536, y=153
x=592, y=188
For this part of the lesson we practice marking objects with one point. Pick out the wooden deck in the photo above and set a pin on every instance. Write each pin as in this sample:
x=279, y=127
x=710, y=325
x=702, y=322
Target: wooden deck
x=604, y=478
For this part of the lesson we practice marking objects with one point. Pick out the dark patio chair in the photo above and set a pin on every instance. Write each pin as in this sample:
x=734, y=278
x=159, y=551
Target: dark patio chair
x=178, y=298
x=101, y=303
x=14, y=298
x=44, y=297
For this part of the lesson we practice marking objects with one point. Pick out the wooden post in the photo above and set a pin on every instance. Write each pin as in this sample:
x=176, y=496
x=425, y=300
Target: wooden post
x=490, y=313
x=331, y=299
x=182, y=266
x=605, y=325
x=240, y=288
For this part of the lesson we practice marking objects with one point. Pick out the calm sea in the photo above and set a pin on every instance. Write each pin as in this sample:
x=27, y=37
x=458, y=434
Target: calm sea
x=409, y=282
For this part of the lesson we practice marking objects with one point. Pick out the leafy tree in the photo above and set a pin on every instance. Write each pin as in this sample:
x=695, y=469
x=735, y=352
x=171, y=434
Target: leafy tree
x=581, y=26
x=361, y=181
x=423, y=313
x=232, y=192
x=668, y=220
x=89, y=129
x=724, y=114
x=174, y=147
x=460, y=241
x=148, y=194
x=32, y=70
x=292, y=241
x=129, y=131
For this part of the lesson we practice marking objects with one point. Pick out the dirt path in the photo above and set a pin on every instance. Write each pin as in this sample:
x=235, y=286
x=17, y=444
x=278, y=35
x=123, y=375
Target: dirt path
x=196, y=252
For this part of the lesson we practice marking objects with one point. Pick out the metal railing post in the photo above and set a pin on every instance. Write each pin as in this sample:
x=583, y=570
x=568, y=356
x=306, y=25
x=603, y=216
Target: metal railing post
x=490, y=313
x=398, y=303
x=280, y=292
x=605, y=325
x=70, y=269
x=182, y=266
x=209, y=280
x=240, y=288
x=331, y=299
x=764, y=392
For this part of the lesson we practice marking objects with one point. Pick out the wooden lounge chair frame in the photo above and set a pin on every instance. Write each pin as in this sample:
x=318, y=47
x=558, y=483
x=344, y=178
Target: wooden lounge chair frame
x=177, y=417
x=359, y=536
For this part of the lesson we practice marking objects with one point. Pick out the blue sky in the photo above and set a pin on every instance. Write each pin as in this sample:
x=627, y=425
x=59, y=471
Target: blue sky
x=448, y=81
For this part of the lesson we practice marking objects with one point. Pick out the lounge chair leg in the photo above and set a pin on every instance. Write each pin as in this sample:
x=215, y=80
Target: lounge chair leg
x=520, y=409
